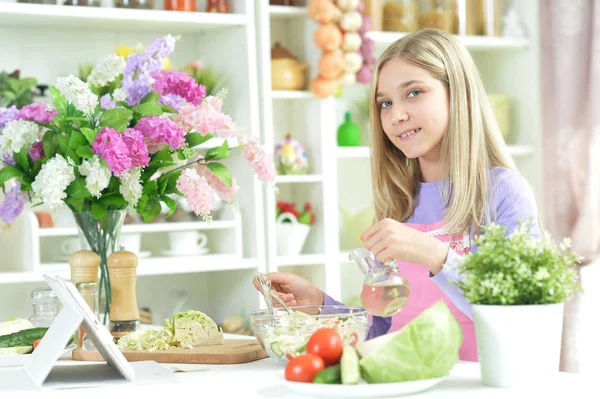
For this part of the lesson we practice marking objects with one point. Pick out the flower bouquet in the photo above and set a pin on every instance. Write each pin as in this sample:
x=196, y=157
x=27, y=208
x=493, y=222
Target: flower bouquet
x=125, y=139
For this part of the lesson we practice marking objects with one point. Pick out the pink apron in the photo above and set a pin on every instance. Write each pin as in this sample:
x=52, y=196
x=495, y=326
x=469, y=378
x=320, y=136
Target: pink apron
x=424, y=292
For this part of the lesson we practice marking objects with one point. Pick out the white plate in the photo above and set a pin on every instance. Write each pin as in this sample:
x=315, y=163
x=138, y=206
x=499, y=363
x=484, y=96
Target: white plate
x=363, y=390
x=194, y=252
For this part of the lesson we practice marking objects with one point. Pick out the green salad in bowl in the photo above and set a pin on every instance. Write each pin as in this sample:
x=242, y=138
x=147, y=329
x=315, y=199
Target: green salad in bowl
x=284, y=336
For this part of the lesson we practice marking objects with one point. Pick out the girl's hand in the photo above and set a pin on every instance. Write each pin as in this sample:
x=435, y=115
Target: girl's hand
x=389, y=239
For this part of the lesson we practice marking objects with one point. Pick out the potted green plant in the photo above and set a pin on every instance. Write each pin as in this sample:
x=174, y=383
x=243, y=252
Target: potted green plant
x=517, y=286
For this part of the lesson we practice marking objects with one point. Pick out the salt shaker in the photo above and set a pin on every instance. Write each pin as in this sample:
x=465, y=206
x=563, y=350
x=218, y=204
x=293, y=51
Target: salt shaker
x=124, y=313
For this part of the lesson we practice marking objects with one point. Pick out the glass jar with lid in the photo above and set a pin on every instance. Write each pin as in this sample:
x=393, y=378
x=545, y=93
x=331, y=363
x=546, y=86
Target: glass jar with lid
x=180, y=5
x=400, y=15
x=45, y=306
x=439, y=14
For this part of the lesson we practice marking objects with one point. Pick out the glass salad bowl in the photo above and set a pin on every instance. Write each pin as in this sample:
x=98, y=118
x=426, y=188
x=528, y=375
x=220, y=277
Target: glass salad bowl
x=284, y=335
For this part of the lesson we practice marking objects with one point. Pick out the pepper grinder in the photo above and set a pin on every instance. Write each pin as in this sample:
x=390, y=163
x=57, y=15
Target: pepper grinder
x=124, y=313
x=84, y=275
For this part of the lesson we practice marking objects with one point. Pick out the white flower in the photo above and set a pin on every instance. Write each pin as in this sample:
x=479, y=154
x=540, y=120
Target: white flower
x=542, y=274
x=119, y=95
x=97, y=175
x=51, y=182
x=19, y=134
x=107, y=70
x=131, y=188
x=77, y=93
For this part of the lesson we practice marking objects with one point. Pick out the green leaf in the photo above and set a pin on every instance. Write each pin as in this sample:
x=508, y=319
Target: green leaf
x=116, y=200
x=162, y=184
x=61, y=141
x=116, y=118
x=193, y=139
x=168, y=109
x=181, y=155
x=99, y=211
x=8, y=172
x=85, y=152
x=221, y=152
x=150, y=187
x=151, y=208
x=22, y=160
x=89, y=134
x=49, y=145
x=77, y=189
x=172, y=183
x=59, y=101
x=221, y=172
x=150, y=97
x=148, y=109
x=37, y=166
x=77, y=139
x=163, y=155
x=171, y=203
x=71, y=154
x=75, y=203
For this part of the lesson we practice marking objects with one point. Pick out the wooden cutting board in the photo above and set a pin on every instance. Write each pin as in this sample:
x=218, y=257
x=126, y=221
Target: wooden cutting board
x=233, y=351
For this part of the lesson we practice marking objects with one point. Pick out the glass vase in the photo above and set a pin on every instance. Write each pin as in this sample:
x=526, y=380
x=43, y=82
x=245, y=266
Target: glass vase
x=102, y=237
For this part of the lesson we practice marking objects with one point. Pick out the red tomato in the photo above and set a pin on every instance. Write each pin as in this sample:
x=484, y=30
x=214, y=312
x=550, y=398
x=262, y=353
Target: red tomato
x=303, y=368
x=36, y=343
x=327, y=344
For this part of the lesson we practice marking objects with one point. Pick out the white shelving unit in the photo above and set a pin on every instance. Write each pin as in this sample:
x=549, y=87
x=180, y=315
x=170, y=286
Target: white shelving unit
x=48, y=41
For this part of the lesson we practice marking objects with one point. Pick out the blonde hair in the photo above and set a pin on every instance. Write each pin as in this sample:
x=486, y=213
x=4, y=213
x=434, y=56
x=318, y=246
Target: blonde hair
x=472, y=145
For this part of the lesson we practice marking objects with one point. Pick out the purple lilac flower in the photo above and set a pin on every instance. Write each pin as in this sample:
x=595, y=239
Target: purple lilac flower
x=138, y=152
x=37, y=112
x=159, y=131
x=13, y=204
x=8, y=159
x=106, y=102
x=110, y=146
x=172, y=100
x=36, y=151
x=7, y=115
x=180, y=84
x=136, y=75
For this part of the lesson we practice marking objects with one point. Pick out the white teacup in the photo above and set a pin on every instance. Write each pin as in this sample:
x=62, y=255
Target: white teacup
x=187, y=242
x=70, y=245
x=131, y=242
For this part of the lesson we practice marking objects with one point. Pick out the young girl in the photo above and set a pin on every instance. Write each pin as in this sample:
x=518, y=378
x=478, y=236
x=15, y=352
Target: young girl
x=440, y=171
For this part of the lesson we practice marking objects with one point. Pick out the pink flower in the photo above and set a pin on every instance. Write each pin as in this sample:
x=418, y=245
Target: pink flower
x=225, y=192
x=159, y=131
x=206, y=118
x=138, y=152
x=37, y=112
x=36, y=151
x=109, y=144
x=197, y=191
x=262, y=164
x=178, y=83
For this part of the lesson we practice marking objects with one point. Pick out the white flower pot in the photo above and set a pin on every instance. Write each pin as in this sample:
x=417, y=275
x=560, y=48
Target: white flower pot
x=290, y=236
x=518, y=345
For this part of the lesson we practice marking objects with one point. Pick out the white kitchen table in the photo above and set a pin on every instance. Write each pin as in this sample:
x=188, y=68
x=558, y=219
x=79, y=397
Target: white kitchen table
x=264, y=379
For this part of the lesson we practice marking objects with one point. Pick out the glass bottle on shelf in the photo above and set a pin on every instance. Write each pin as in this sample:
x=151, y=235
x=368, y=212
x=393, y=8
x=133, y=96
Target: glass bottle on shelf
x=45, y=306
x=138, y=4
x=439, y=14
x=89, y=3
x=400, y=15
x=180, y=5
x=212, y=6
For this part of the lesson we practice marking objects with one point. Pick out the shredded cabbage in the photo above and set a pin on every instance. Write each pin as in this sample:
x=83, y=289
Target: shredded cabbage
x=288, y=337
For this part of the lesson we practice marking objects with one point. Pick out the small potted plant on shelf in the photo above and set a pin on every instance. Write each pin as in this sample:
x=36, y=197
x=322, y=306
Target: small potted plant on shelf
x=292, y=227
x=517, y=286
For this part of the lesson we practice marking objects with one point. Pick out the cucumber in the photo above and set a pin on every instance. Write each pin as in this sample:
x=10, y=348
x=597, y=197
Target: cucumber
x=19, y=350
x=329, y=375
x=350, y=366
x=276, y=349
x=23, y=337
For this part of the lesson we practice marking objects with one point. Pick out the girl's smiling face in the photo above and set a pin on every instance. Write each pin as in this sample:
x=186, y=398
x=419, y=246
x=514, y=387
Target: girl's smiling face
x=414, y=109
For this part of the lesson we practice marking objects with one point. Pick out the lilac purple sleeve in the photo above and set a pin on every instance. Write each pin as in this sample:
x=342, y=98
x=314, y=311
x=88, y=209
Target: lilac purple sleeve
x=512, y=200
x=380, y=325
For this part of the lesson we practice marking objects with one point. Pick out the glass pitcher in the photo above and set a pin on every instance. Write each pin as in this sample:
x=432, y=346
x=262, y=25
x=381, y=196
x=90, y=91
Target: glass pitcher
x=385, y=289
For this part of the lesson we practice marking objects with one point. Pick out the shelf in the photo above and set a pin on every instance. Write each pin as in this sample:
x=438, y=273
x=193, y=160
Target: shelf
x=285, y=12
x=301, y=260
x=107, y=18
x=299, y=179
x=364, y=151
x=471, y=42
x=147, y=228
x=147, y=267
x=292, y=95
